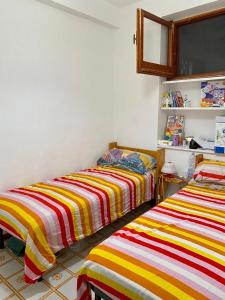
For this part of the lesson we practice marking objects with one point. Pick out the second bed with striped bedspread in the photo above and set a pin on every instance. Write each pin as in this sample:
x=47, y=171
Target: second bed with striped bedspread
x=174, y=251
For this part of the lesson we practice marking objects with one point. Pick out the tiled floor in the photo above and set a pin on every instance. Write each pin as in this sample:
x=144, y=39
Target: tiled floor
x=59, y=282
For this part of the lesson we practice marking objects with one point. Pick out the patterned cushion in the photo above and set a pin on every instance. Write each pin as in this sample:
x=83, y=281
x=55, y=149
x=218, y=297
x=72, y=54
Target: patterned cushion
x=129, y=160
x=210, y=171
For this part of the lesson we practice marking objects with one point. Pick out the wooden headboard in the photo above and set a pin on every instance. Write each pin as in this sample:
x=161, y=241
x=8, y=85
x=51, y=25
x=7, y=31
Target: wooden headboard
x=198, y=159
x=159, y=155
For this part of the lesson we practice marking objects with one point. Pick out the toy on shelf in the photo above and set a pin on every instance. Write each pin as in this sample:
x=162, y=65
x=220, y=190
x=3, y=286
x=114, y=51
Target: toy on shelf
x=187, y=102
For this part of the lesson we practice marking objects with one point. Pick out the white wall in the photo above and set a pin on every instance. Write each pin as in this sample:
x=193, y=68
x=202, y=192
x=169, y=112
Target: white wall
x=56, y=92
x=100, y=11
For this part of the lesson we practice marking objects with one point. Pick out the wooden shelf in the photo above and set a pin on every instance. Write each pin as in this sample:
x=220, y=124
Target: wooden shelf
x=183, y=148
x=195, y=108
x=195, y=80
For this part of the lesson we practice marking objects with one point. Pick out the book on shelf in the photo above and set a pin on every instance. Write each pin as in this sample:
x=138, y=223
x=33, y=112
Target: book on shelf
x=174, y=126
x=172, y=98
x=213, y=94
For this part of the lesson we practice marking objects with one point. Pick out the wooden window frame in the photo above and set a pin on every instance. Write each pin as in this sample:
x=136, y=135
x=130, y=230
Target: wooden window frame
x=190, y=20
x=145, y=67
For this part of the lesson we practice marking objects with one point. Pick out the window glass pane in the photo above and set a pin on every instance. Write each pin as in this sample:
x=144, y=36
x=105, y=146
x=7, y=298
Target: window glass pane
x=201, y=47
x=155, y=42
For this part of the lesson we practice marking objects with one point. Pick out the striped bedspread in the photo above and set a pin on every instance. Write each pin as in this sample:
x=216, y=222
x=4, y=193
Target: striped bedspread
x=174, y=251
x=54, y=214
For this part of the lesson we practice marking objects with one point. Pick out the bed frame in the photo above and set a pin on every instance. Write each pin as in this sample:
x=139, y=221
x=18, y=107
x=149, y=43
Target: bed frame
x=99, y=295
x=198, y=159
x=159, y=155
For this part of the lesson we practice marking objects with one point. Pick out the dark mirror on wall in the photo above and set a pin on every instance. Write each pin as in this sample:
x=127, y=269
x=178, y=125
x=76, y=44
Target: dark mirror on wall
x=201, y=47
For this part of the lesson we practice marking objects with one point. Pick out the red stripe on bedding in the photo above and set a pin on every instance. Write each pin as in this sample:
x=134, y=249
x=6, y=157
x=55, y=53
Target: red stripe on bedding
x=85, y=187
x=68, y=213
x=10, y=229
x=33, y=268
x=170, y=254
x=106, y=288
x=129, y=182
x=211, y=175
x=192, y=218
x=177, y=247
x=205, y=198
x=55, y=209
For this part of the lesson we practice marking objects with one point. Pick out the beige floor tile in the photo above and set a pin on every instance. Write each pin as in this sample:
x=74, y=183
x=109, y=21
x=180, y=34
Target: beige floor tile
x=69, y=289
x=4, y=257
x=17, y=280
x=35, y=291
x=4, y=291
x=57, y=276
x=53, y=296
x=10, y=268
x=74, y=264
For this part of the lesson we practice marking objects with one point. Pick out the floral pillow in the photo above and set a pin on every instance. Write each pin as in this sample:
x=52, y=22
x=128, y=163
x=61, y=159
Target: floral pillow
x=129, y=160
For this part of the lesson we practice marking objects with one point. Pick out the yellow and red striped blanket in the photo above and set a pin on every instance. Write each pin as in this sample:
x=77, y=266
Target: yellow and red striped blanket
x=174, y=251
x=54, y=214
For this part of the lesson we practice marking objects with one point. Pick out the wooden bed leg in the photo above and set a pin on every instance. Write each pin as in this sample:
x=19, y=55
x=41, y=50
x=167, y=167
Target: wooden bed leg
x=2, y=246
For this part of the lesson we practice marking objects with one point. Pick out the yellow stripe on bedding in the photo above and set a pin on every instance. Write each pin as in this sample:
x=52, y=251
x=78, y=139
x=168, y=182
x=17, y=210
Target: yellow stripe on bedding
x=205, y=191
x=175, y=230
x=176, y=292
x=110, y=193
x=113, y=186
x=150, y=223
x=49, y=193
x=114, y=284
x=14, y=226
x=32, y=222
x=138, y=178
x=65, y=193
x=210, y=215
x=176, y=240
x=36, y=232
x=212, y=162
x=37, y=262
x=195, y=207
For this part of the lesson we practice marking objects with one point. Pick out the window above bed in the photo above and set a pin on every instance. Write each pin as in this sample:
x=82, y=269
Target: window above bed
x=191, y=47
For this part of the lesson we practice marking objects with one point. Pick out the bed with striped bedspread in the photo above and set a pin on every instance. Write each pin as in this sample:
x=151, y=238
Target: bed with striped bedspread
x=52, y=215
x=174, y=251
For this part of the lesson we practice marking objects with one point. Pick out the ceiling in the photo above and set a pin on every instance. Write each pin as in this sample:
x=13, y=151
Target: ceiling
x=122, y=3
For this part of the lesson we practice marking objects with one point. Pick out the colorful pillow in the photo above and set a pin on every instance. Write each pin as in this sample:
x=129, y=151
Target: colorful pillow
x=129, y=160
x=210, y=171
